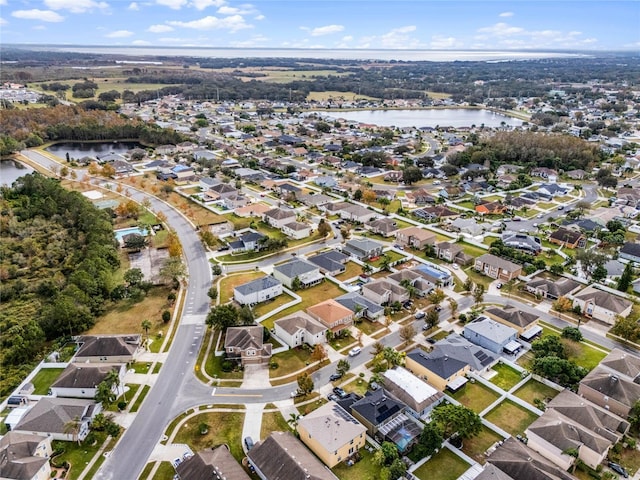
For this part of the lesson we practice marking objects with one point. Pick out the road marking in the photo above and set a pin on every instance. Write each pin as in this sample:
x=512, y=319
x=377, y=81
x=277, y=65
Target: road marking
x=238, y=395
x=213, y=392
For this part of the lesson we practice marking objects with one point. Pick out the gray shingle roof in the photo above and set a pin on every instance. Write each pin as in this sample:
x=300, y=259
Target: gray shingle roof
x=295, y=268
x=513, y=315
x=18, y=457
x=499, y=262
x=107, y=345
x=604, y=299
x=84, y=375
x=490, y=329
x=441, y=365
x=521, y=462
x=257, y=285
x=354, y=302
x=51, y=414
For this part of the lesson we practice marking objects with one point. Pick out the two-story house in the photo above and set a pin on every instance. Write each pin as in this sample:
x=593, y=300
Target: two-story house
x=257, y=291
x=245, y=345
x=306, y=272
x=332, y=315
x=299, y=328
x=363, y=248
x=496, y=267
x=415, y=237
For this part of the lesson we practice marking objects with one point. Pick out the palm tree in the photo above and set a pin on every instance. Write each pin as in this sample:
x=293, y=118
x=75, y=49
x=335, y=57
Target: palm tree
x=113, y=378
x=293, y=420
x=146, y=325
x=72, y=427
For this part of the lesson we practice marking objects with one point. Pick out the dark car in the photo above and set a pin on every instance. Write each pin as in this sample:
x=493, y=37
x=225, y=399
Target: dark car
x=335, y=376
x=437, y=308
x=224, y=248
x=248, y=441
x=618, y=469
x=339, y=392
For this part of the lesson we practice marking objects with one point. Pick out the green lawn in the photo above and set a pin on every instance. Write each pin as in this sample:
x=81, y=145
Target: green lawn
x=227, y=284
x=358, y=385
x=475, y=396
x=224, y=428
x=391, y=255
x=507, y=377
x=78, y=456
x=266, y=307
x=477, y=277
x=44, y=379
x=476, y=446
x=369, y=328
x=165, y=472
x=141, y=367
x=273, y=422
x=466, y=204
x=352, y=270
x=444, y=465
x=472, y=249
x=213, y=367
x=584, y=355
x=534, y=389
x=510, y=417
x=365, y=469
x=290, y=361
x=136, y=406
x=309, y=296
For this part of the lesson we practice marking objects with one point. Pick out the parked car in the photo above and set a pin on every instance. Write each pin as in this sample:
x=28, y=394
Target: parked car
x=248, y=442
x=419, y=315
x=224, y=248
x=455, y=266
x=335, y=376
x=618, y=469
x=355, y=351
x=339, y=392
x=374, y=386
x=499, y=286
x=332, y=397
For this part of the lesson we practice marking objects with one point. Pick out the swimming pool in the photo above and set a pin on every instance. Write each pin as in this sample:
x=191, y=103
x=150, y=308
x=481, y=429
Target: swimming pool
x=128, y=231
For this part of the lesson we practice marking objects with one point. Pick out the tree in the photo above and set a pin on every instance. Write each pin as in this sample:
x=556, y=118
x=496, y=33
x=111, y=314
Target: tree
x=478, y=293
x=563, y=304
x=223, y=316
x=599, y=273
x=305, y=383
x=72, y=427
x=296, y=284
x=246, y=316
x=627, y=328
x=366, y=268
x=216, y=270
x=133, y=277
x=324, y=228
x=468, y=285
x=411, y=175
x=343, y=366
x=559, y=370
x=357, y=195
x=458, y=419
x=385, y=264
x=369, y=196
x=572, y=333
x=146, y=325
x=507, y=287
x=213, y=293
x=624, y=282
x=453, y=305
x=319, y=353
x=430, y=440
x=437, y=296
x=407, y=332
x=548, y=346
x=431, y=319
x=104, y=394
x=634, y=416
x=293, y=420
x=135, y=241
x=173, y=269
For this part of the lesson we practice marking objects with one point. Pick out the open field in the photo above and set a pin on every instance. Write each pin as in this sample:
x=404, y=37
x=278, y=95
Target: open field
x=334, y=95
x=290, y=361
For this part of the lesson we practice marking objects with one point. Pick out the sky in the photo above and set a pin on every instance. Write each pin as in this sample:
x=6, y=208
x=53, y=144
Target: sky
x=332, y=24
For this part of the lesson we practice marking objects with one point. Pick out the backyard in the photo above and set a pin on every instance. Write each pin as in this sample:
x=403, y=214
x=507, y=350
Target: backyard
x=475, y=396
x=309, y=296
x=476, y=446
x=227, y=284
x=44, y=379
x=223, y=428
x=444, y=465
x=534, y=389
x=352, y=270
x=266, y=307
x=391, y=255
x=507, y=376
x=511, y=417
x=365, y=469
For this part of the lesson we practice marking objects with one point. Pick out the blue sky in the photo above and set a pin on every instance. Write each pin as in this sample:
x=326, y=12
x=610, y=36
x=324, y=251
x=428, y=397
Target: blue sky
x=389, y=24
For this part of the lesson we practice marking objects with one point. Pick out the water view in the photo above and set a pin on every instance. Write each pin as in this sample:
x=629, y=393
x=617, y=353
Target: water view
x=78, y=150
x=11, y=170
x=449, y=117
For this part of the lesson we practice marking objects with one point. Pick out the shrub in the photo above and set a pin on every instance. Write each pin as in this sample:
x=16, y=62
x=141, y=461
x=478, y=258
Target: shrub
x=166, y=316
x=122, y=405
x=227, y=366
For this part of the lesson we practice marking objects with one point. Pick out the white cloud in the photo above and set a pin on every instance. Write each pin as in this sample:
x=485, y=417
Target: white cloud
x=442, y=42
x=160, y=29
x=255, y=41
x=76, y=6
x=259, y=17
x=500, y=29
x=119, y=34
x=202, y=4
x=326, y=30
x=140, y=43
x=241, y=10
x=506, y=14
x=133, y=6
x=347, y=38
x=232, y=23
x=173, y=4
x=3, y=21
x=41, y=15
x=3, y=2
x=399, y=38
x=503, y=35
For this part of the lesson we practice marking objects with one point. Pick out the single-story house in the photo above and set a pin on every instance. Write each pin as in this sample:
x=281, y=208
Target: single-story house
x=24, y=456
x=332, y=315
x=361, y=306
x=525, y=323
x=601, y=305
x=107, y=348
x=552, y=289
x=245, y=345
x=331, y=262
x=257, y=291
x=521, y=241
x=81, y=380
x=630, y=251
x=496, y=267
x=211, y=463
x=384, y=226
x=568, y=238
x=247, y=242
x=416, y=278
x=491, y=208
x=307, y=273
x=331, y=433
x=252, y=210
x=384, y=292
x=299, y=328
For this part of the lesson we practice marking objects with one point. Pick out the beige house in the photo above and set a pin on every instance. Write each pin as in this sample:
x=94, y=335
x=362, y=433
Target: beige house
x=415, y=237
x=332, y=434
x=437, y=370
x=524, y=322
x=299, y=328
x=601, y=305
x=24, y=456
x=297, y=230
x=384, y=292
x=332, y=315
x=496, y=267
x=245, y=345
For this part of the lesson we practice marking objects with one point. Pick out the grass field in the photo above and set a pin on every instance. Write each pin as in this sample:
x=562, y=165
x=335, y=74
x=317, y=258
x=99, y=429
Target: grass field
x=511, y=417
x=444, y=465
x=266, y=307
x=476, y=446
x=352, y=270
x=286, y=76
x=165, y=472
x=44, y=379
x=272, y=422
x=310, y=296
x=78, y=456
x=136, y=406
x=224, y=428
x=507, y=377
x=290, y=361
x=365, y=469
x=334, y=95
x=227, y=284
x=475, y=396
x=391, y=255
x=534, y=389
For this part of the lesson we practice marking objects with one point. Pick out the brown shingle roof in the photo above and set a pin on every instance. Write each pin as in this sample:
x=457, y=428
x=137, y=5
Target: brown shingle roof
x=210, y=464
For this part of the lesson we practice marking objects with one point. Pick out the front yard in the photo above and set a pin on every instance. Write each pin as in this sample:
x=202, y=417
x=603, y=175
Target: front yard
x=290, y=361
x=511, y=418
x=273, y=422
x=223, y=428
x=475, y=396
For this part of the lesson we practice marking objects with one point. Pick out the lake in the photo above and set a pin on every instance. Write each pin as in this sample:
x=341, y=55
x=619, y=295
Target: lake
x=77, y=150
x=446, y=117
x=11, y=170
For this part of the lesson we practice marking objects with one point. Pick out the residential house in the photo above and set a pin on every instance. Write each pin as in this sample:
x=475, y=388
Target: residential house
x=576, y=174
x=278, y=217
x=361, y=306
x=525, y=323
x=422, y=283
x=614, y=384
x=451, y=358
x=24, y=456
x=332, y=315
x=248, y=242
x=297, y=230
x=419, y=397
x=281, y=456
x=435, y=274
x=81, y=380
x=494, y=336
x=219, y=192
x=384, y=292
x=252, y=210
x=415, y=237
x=601, y=305
x=363, y=248
x=331, y=433
x=544, y=172
x=211, y=463
x=550, y=190
x=496, y=267
x=245, y=345
x=331, y=262
x=451, y=192
x=299, y=328
x=257, y=291
x=356, y=213
x=107, y=348
x=520, y=241
x=469, y=226
x=568, y=238
x=552, y=289
x=570, y=423
x=420, y=197
x=384, y=226
x=50, y=416
x=307, y=273
x=518, y=461
x=315, y=200
x=375, y=409
x=233, y=202
x=491, y=208
x=435, y=212
x=630, y=251
x=451, y=252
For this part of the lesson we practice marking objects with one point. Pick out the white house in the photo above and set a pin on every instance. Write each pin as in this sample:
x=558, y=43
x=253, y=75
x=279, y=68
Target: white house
x=257, y=291
x=297, y=230
x=81, y=380
x=308, y=273
x=299, y=328
x=278, y=217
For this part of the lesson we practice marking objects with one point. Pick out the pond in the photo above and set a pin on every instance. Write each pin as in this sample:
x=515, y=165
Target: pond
x=78, y=150
x=447, y=117
x=10, y=171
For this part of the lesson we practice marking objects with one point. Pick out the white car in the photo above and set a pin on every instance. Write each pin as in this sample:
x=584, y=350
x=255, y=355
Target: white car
x=455, y=266
x=355, y=351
